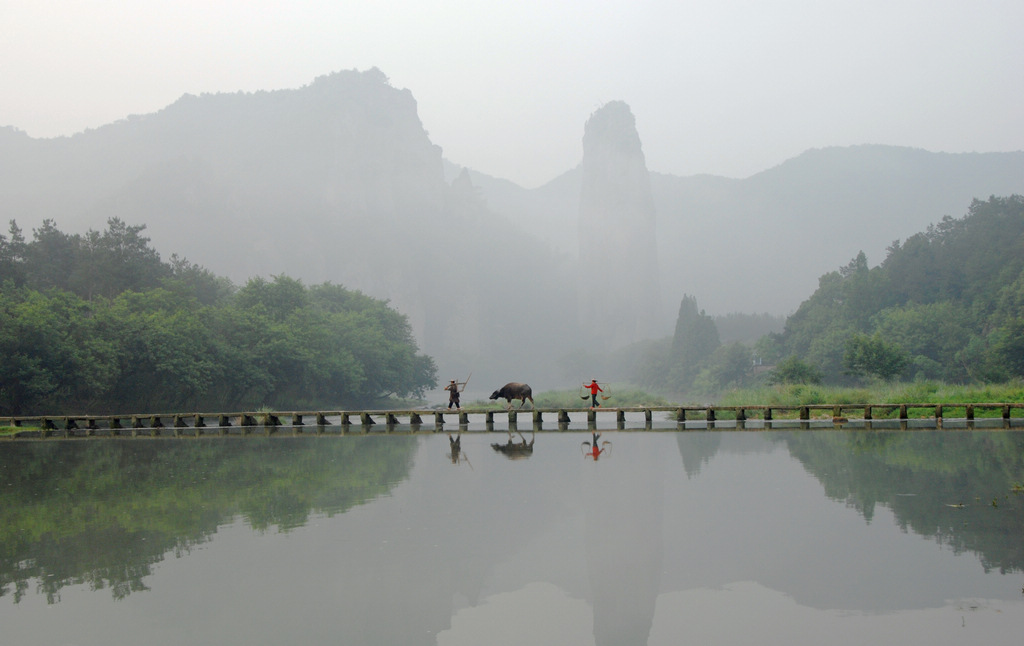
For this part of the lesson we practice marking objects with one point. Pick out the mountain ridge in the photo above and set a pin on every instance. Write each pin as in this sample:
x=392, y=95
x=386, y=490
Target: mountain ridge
x=339, y=181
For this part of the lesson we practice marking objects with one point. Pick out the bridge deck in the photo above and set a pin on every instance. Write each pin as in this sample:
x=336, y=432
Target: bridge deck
x=244, y=422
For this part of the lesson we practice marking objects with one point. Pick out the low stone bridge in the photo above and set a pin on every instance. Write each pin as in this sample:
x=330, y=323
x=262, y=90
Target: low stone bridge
x=562, y=419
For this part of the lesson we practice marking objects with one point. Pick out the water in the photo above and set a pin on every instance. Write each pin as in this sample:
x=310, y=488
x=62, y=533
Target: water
x=721, y=537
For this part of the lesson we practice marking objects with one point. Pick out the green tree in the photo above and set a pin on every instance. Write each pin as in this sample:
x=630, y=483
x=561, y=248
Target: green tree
x=51, y=257
x=694, y=341
x=12, y=256
x=873, y=356
x=792, y=370
x=731, y=366
x=116, y=260
x=1008, y=347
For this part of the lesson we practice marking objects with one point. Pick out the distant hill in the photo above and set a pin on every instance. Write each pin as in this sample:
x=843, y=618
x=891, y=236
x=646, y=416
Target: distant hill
x=947, y=304
x=759, y=244
x=338, y=181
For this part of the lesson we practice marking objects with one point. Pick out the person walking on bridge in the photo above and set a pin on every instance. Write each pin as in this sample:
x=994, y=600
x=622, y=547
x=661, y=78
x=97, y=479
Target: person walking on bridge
x=454, y=388
x=594, y=389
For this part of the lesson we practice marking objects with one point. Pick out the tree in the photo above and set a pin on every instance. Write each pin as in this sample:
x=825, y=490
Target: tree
x=792, y=370
x=1008, y=347
x=731, y=365
x=12, y=257
x=116, y=260
x=874, y=356
x=51, y=257
x=695, y=340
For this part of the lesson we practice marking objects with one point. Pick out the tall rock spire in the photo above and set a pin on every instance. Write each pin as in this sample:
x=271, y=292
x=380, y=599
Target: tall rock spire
x=621, y=298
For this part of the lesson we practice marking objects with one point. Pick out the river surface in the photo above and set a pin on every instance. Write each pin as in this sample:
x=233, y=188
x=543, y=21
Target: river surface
x=704, y=537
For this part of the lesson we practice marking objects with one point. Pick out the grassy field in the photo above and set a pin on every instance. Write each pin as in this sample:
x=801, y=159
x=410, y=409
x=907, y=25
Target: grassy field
x=612, y=397
x=915, y=392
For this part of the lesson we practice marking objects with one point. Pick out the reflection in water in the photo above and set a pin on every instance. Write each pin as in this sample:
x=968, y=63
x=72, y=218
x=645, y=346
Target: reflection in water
x=623, y=513
x=455, y=453
x=375, y=539
x=516, y=450
x=102, y=513
x=593, y=451
x=697, y=448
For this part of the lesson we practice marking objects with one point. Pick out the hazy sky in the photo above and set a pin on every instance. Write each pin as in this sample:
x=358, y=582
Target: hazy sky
x=727, y=87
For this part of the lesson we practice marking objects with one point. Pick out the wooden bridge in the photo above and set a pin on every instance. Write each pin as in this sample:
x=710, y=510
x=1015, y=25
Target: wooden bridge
x=364, y=421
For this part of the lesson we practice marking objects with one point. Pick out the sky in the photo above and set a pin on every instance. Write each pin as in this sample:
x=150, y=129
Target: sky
x=723, y=87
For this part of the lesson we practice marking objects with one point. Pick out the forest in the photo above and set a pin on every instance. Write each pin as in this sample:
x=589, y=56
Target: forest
x=99, y=323
x=947, y=305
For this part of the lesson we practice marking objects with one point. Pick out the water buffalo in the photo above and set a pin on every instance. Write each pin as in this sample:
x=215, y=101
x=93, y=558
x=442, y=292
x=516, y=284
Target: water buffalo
x=514, y=390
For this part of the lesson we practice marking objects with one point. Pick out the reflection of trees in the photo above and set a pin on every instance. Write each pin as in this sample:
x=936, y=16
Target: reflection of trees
x=101, y=513
x=924, y=477
x=700, y=447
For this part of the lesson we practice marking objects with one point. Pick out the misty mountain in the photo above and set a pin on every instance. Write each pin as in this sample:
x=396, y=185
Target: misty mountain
x=338, y=181
x=759, y=244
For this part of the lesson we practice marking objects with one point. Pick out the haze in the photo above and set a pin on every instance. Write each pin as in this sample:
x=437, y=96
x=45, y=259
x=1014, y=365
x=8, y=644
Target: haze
x=728, y=88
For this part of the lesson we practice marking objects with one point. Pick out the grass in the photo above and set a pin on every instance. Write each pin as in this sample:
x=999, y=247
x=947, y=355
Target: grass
x=617, y=396
x=8, y=431
x=905, y=393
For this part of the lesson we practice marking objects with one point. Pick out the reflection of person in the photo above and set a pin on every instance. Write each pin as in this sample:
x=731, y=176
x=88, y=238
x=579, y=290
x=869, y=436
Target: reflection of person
x=453, y=393
x=594, y=453
x=594, y=389
x=455, y=444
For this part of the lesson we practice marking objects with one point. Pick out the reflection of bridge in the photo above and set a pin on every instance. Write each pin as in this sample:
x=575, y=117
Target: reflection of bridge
x=838, y=415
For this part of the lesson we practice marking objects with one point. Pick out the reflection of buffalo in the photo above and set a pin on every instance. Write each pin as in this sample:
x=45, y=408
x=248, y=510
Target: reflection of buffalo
x=515, y=450
x=514, y=390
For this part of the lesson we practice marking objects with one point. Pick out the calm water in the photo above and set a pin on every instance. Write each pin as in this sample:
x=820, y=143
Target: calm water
x=728, y=537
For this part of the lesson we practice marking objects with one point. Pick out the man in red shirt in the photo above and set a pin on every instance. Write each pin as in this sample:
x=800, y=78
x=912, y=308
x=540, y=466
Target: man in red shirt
x=594, y=389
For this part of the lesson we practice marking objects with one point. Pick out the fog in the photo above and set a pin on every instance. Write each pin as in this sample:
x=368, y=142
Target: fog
x=436, y=155
x=726, y=88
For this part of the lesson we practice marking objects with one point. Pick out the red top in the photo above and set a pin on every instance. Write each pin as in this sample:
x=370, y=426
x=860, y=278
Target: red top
x=593, y=387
